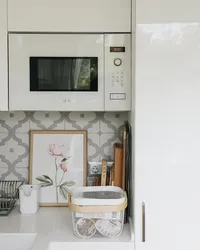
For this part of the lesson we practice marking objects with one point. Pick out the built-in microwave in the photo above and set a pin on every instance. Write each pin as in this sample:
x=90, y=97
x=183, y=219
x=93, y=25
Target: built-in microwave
x=84, y=72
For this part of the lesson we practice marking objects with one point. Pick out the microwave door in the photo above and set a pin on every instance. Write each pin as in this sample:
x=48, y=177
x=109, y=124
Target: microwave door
x=56, y=72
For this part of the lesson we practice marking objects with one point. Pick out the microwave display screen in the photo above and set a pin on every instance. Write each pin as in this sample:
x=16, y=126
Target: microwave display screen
x=117, y=49
x=63, y=74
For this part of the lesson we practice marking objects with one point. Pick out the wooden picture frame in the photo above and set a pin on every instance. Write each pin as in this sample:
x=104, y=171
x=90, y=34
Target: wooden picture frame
x=58, y=162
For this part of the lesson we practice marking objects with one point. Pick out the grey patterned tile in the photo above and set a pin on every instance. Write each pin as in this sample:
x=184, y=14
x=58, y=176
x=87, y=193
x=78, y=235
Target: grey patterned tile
x=3, y=170
x=104, y=129
x=41, y=120
x=112, y=122
x=22, y=174
x=16, y=121
x=106, y=146
x=4, y=137
x=93, y=147
x=14, y=152
x=14, y=148
x=23, y=141
x=82, y=121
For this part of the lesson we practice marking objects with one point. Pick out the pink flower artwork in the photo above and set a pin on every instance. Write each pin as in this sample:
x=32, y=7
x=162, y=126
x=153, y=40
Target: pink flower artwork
x=63, y=166
x=55, y=150
x=60, y=163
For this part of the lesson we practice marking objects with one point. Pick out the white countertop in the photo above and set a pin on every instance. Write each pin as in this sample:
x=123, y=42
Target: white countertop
x=51, y=224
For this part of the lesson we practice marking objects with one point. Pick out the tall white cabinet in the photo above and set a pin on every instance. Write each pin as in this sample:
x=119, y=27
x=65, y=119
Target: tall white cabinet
x=3, y=57
x=167, y=125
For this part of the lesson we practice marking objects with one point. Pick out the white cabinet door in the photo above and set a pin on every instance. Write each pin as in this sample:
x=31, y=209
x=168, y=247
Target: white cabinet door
x=3, y=56
x=69, y=15
x=167, y=143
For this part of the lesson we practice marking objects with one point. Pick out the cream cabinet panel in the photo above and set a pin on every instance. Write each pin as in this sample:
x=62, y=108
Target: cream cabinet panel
x=167, y=137
x=69, y=15
x=3, y=56
x=167, y=11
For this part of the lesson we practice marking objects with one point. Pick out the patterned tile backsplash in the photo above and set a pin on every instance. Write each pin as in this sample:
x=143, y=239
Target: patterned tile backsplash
x=104, y=128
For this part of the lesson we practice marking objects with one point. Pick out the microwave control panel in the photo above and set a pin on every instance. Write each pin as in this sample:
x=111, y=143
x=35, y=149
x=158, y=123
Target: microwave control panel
x=117, y=72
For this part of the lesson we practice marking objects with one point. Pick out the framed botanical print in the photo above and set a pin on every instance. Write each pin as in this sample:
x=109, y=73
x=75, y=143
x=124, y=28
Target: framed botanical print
x=58, y=162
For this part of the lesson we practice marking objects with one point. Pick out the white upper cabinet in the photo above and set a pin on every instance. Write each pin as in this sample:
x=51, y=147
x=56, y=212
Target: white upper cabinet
x=69, y=15
x=3, y=57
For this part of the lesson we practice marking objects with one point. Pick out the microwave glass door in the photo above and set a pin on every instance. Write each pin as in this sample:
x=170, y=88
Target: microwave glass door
x=63, y=74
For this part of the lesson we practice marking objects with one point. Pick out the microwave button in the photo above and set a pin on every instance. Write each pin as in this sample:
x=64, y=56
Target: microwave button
x=115, y=96
x=117, y=62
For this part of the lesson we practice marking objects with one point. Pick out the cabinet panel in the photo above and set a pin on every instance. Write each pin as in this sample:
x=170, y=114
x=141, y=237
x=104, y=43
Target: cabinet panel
x=69, y=15
x=167, y=134
x=3, y=57
x=162, y=11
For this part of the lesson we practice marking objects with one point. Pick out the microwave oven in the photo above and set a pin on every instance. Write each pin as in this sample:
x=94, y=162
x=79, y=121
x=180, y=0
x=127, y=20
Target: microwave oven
x=70, y=72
